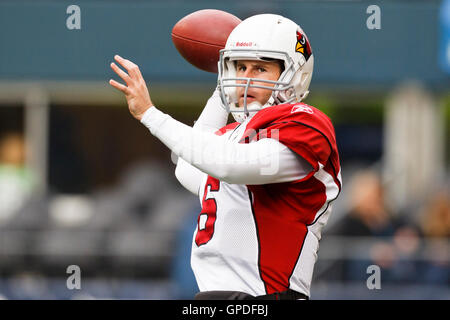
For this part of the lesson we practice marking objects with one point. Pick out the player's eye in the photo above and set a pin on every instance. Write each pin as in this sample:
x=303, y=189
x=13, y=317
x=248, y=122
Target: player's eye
x=241, y=68
x=261, y=69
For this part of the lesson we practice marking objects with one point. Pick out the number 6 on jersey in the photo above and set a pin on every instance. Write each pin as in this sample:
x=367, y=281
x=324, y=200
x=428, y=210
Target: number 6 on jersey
x=207, y=217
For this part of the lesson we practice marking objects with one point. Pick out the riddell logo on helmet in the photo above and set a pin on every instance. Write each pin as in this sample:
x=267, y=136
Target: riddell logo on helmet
x=244, y=44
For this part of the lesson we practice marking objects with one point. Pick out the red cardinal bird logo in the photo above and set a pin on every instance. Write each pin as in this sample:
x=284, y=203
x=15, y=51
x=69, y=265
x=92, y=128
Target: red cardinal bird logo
x=303, y=46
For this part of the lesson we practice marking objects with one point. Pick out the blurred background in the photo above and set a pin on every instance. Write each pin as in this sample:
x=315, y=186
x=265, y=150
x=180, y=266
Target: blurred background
x=82, y=183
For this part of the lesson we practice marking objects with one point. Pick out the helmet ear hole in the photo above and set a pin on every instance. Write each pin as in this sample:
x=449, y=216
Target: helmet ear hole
x=284, y=96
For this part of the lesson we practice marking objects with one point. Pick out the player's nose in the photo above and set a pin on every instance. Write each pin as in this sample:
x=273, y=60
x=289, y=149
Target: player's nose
x=248, y=73
x=244, y=81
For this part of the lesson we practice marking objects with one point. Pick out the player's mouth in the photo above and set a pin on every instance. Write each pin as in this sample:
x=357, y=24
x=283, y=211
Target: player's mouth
x=249, y=97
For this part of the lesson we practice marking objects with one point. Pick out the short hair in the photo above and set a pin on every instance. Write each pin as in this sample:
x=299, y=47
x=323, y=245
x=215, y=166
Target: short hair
x=280, y=63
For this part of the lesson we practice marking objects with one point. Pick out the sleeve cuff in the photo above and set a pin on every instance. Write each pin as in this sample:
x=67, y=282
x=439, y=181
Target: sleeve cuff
x=153, y=118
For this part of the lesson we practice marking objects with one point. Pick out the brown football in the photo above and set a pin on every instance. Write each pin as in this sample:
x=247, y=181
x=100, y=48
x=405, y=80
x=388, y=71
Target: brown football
x=200, y=36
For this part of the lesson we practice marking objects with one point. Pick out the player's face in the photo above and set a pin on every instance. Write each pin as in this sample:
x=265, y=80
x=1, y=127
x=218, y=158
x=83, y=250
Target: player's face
x=256, y=69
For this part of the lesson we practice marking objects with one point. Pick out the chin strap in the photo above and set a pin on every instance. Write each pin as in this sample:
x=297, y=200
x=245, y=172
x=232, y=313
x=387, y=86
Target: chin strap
x=241, y=116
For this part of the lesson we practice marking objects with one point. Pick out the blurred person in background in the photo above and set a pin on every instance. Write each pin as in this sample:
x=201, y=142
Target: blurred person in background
x=419, y=252
x=398, y=245
x=368, y=214
x=368, y=217
x=435, y=225
x=16, y=180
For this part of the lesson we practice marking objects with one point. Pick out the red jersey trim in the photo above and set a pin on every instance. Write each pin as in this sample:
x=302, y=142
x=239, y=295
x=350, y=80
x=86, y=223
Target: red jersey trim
x=230, y=126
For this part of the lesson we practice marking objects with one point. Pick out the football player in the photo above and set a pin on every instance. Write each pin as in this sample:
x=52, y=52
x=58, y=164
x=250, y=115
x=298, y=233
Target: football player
x=266, y=182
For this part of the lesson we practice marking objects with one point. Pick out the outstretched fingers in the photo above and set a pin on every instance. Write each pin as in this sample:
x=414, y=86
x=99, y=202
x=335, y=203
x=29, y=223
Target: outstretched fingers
x=125, y=77
x=133, y=69
x=130, y=67
x=119, y=86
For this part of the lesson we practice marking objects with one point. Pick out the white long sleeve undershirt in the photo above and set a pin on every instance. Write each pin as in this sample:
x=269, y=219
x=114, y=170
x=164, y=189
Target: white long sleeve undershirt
x=201, y=152
x=212, y=118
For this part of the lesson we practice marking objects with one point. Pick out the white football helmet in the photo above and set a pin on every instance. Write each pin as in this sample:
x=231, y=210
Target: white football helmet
x=260, y=37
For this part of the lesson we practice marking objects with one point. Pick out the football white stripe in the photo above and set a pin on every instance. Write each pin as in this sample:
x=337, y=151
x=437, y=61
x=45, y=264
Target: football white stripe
x=331, y=191
x=303, y=271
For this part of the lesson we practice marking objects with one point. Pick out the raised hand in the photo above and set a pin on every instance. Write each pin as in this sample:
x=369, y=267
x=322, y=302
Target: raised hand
x=135, y=90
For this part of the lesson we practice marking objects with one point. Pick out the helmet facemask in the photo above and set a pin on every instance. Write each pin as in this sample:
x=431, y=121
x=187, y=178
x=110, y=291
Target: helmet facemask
x=265, y=37
x=283, y=90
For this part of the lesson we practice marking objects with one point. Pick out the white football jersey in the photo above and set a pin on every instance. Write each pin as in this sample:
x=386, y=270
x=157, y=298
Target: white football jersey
x=261, y=239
